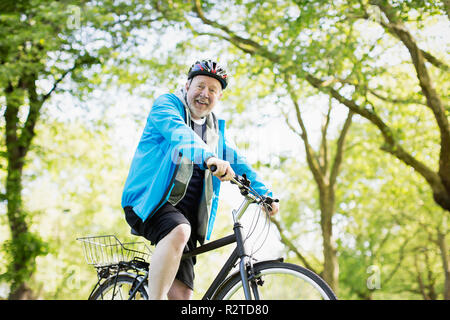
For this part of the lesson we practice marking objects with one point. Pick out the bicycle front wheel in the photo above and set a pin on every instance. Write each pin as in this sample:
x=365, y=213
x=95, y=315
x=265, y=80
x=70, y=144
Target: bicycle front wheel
x=275, y=280
x=119, y=288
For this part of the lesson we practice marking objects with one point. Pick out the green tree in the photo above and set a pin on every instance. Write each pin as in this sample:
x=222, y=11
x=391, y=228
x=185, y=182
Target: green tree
x=322, y=43
x=342, y=50
x=75, y=192
x=389, y=244
x=42, y=44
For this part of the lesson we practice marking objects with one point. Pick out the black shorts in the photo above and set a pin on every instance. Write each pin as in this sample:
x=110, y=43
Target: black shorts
x=157, y=227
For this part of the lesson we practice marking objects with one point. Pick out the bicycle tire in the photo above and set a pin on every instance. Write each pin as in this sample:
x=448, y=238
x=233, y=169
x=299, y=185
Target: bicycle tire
x=118, y=287
x=281, y=281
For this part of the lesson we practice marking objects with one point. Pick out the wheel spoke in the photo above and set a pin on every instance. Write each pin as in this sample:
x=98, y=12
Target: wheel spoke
x=283, y=281
x=119, y=289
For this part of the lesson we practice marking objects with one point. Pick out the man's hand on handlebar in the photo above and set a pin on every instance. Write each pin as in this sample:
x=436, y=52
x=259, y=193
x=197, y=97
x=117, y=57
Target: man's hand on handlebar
x=271, y=208
x=275, y=207
x=224, y=172
x=223, y=169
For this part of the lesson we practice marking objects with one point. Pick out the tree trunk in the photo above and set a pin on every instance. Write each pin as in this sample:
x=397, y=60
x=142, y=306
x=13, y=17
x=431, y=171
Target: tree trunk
x=23, y=292
x=13, y=195
x=17, y=226
x=330, y=265
x=22, y=246
x=445, y=263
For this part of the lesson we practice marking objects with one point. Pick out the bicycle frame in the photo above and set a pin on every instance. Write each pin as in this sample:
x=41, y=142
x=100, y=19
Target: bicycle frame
x=239, y=253
x=249, y=277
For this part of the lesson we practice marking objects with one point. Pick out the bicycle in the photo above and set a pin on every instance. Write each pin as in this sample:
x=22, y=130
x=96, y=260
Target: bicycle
x=122, y=269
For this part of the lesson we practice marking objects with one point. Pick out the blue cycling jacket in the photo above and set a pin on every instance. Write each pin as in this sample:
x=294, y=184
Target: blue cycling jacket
x=165, y=140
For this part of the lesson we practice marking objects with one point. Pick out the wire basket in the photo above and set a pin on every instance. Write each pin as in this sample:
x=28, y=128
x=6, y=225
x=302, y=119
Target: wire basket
x=102, y=251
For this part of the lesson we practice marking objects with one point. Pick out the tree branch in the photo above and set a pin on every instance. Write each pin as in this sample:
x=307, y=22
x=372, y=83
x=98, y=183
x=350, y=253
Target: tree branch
x=311, y=156
x=388, y=278
x=394, y=100
x=340, y=149
x=397, y=28
x=365, y=88
x=245, y=44
x=447, y=7
x=440, y=183
x=323, y=155
x=428, y=56
x=391, y=144
x=435, y=61
x=285, y=240
x=294, y=130
x=57, y=82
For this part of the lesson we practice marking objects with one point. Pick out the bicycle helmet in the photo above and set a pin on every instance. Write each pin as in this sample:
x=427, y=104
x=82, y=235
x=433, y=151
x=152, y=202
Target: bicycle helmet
x=209, y=68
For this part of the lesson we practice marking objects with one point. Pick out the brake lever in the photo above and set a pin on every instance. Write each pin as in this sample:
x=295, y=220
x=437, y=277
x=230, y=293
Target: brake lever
x=269, y=200
x=241, y=181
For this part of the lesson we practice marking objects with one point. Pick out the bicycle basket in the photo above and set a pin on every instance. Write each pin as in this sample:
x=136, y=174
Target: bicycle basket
x=101, y=251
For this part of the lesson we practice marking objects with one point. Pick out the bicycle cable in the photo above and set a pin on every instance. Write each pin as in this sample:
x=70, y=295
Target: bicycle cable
x=244, y=183
x=265, y=230
x=267, y=208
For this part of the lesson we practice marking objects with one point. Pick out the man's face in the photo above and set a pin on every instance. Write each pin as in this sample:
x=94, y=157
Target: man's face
x=203, y=92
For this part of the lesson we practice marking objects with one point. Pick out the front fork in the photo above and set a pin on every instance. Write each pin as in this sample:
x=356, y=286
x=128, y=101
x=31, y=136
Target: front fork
x=246, y=267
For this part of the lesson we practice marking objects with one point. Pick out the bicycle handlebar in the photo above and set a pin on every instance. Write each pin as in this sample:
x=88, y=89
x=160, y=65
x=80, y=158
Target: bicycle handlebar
x=234, y=180
x=244, y=185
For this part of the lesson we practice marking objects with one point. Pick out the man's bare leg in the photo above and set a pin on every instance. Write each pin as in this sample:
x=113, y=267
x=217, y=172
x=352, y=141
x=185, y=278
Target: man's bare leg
x=166, y=260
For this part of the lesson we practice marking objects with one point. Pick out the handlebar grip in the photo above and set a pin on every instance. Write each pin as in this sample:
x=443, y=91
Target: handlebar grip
x=213, y=169
x=270, y=200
